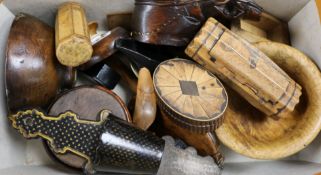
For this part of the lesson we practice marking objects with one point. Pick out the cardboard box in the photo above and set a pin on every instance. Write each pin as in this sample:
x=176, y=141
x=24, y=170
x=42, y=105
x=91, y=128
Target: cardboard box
x=18, y=156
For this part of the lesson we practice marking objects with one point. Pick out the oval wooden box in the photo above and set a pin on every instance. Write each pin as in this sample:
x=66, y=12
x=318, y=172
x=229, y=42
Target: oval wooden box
x=86, y=102
x=249, y=132
x=191, y=96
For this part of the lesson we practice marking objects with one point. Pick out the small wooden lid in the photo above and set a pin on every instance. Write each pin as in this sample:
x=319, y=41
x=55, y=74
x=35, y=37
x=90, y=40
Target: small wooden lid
x=191, y=96
x=86, y=102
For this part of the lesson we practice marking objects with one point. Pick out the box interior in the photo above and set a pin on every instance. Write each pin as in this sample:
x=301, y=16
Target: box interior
x=19, y=156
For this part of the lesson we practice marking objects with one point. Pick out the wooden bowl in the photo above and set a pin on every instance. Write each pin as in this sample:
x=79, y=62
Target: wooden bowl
x=249, y=132
x=33, y=74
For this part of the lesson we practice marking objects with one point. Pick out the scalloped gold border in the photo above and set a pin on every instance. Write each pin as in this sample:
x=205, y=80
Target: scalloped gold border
x=51, y=141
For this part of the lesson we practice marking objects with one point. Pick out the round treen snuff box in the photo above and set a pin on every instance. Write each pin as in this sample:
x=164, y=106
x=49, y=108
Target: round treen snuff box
x=189, y=95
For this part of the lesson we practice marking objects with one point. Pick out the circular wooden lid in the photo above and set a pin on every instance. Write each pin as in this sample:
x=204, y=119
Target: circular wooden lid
x=191, y=96
x=87, y=102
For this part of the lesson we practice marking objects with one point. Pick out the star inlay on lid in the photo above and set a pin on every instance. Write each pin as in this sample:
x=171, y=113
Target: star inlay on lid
x=191, y=96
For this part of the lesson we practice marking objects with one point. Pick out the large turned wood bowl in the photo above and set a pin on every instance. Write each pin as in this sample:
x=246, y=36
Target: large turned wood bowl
x=33, y=74
x=249, y=132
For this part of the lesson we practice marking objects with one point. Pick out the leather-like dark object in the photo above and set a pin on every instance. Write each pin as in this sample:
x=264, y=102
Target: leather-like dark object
x=175, y=22
x=147, y=55
x=166, y=22
x=104, y=75
x=231, y=9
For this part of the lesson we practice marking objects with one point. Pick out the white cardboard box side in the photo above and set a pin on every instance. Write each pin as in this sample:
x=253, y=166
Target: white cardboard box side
x=305, y=30
x=16, y=153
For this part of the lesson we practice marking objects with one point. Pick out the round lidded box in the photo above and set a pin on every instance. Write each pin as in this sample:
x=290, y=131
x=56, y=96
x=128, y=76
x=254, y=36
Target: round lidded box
x=190, y=96
x=86, y=102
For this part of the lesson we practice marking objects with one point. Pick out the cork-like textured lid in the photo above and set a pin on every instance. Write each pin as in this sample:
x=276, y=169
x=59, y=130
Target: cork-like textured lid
x=190, y=95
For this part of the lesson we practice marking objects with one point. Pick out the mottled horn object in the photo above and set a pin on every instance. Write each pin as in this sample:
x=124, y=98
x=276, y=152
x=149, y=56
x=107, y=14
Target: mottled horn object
x=178, y=161
x=73, y=46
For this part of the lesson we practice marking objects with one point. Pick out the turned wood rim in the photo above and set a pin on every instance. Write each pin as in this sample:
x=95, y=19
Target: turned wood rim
x=117, y=98
x=305, y=130
x=194, y=124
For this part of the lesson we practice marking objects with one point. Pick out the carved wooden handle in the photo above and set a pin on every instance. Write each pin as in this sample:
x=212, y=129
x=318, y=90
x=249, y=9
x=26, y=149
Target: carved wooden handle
x=105, y=47
x=145, y=107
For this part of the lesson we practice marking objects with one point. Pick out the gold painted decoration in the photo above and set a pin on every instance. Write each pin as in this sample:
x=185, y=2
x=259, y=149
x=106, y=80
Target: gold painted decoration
x=64, y=133
x=109, y=145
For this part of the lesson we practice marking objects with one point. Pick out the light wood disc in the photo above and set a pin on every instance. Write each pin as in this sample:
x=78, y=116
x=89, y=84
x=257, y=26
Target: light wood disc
x=190, y=95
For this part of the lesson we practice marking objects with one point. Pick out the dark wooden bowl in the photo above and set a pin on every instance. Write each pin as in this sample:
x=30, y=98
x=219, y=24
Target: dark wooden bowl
x=33, y=74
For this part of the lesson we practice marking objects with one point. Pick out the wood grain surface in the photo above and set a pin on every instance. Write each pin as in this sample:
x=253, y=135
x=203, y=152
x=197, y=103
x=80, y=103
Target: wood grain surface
x=119, y=20
x=193, y=97
x=253, y=134
x=244, y=68
x=87, y=102
x=268, y=28
x=105, y=47
x=32, y=72
x=92, y=28
x=73, y=46
x=145, y=106
x=206, y=144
